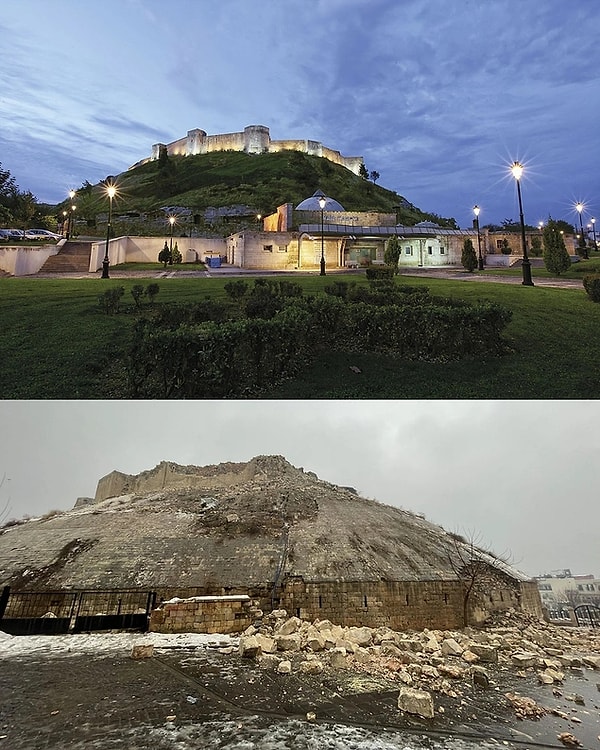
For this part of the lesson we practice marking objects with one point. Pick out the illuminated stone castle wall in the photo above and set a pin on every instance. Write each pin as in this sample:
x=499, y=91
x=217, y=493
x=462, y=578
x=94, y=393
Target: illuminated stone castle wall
x=254, y=139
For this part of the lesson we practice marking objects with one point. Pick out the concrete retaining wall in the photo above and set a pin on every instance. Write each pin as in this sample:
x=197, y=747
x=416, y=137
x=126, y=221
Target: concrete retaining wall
x=22, y=261
x=146, y=249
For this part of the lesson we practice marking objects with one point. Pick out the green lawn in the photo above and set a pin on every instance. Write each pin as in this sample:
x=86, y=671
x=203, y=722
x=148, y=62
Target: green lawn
x=55, y=343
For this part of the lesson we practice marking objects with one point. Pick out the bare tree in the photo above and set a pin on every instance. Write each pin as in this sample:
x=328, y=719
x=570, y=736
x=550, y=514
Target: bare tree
x=476, y=566
x=5, y=507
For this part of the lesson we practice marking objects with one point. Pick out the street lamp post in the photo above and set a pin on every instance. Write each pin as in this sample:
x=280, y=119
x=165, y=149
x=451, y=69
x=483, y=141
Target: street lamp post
x=517, y=172
x=593, y=220
x=171, y=222
x=322, y=201
x=71, y=217
x=582, y=244
x=110, y=192
x=476, y=211
x=65, y=224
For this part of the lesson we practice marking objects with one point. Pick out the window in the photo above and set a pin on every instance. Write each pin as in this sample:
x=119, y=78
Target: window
x=408, y=250
x=282, y=248
x=499, y=244
x=268, y=248
x=442, y=250
x=429, y=250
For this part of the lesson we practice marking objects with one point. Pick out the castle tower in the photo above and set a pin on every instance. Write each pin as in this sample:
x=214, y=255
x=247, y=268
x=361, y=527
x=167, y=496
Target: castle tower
x=256, y=139
x=196, y=142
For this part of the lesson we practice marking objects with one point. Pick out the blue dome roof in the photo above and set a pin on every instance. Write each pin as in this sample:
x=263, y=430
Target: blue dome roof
x=312, y=203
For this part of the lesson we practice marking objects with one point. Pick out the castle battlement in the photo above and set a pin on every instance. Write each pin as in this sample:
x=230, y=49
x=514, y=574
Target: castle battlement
x=254, y=139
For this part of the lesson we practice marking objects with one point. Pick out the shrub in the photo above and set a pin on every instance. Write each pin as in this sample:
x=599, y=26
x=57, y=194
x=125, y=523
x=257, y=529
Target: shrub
x=164, y=256
x=177, y=257
x=137, y=292
x=591, y=284
x=236, y=289
x=468, y=257
x=380, y=272
x=110, y=299
x=151, y=291
x=339, y=289
x=556, y=257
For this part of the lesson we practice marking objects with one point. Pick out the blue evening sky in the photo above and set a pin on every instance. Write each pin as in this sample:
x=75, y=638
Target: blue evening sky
x=439, y=96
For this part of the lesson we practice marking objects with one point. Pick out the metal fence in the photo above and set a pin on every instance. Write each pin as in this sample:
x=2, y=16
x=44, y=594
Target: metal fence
x=54, y=612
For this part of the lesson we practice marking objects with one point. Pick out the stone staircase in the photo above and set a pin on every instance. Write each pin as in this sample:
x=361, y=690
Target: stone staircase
x=72, y=256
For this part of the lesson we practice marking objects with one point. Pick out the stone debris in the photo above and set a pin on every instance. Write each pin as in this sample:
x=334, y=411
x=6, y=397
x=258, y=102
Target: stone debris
x=524, y=707
x=568, y=739
x=422, y=664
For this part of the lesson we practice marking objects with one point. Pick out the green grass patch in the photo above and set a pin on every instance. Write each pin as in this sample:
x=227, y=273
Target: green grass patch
x=57, y=343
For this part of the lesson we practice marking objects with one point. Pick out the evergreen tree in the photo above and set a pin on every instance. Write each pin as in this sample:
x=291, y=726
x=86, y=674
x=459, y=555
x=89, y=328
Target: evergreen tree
x=391, y=255
x=363, y=172
x=468, y=257
x=165, y=255
x=556, y=257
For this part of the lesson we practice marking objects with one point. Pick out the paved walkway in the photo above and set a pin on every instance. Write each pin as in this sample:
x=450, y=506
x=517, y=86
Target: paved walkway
x=454, y=274
x=458, y=274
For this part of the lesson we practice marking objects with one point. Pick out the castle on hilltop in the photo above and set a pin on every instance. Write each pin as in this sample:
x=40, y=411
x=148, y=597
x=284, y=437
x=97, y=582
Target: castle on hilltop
x=254, y=139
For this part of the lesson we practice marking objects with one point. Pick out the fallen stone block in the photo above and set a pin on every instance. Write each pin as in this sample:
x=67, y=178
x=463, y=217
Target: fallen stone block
x=284, y=667
x=524, y=659
x=311, y=666
x=417, y=702
x=361, y=636
x=249, y=647
x=142, y=651
x=485, y=653
x=291, y=642
x=591, y=661
x=450, y=647
x=289, y=626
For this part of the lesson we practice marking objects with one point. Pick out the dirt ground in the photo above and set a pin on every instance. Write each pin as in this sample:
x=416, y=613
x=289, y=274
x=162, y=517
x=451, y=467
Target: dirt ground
x=194, y=697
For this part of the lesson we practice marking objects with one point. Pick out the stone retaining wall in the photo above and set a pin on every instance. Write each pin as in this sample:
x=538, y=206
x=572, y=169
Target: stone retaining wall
x=204, y=614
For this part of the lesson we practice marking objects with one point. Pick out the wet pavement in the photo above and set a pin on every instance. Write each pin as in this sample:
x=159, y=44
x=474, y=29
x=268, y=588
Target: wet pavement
x=195, y=697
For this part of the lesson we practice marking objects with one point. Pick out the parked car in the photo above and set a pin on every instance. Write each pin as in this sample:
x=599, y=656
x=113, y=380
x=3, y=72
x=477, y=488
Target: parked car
x=41, y=234
x=16, y=234
x=5, y=234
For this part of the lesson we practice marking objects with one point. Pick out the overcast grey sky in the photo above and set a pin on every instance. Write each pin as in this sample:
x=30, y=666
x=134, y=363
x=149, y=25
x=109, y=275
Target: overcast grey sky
x=520, y=474
x=440, y=97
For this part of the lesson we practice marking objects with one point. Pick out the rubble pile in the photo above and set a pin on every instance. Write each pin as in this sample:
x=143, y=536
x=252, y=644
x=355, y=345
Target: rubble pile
x=430, y=662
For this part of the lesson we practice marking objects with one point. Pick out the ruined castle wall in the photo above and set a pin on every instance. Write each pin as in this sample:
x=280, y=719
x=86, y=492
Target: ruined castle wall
x=399, y=605
x=228, y=614
x=168, y=474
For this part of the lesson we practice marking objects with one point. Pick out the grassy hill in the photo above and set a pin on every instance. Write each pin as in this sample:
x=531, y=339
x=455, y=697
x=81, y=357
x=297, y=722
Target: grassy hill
x=229, y=178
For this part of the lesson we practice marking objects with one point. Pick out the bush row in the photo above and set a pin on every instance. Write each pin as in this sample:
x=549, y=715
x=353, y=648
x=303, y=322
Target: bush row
x=238, y=348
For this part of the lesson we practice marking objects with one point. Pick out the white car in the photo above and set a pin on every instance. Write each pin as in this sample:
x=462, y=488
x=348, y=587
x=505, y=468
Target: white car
x=41, y=234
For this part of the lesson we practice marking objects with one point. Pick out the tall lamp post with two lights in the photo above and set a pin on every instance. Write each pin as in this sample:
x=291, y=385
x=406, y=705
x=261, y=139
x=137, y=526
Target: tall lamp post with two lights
x=322, y=202
x=476, y=211
x=517, y=172
x=71, y=222
x=110, y=192
x=582, y=243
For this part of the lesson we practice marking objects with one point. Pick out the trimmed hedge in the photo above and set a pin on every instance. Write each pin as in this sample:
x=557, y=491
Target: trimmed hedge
x=206, y=350
x=591, y=284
